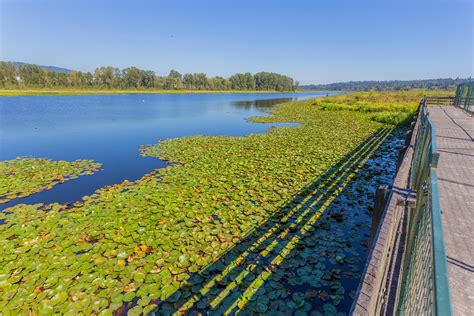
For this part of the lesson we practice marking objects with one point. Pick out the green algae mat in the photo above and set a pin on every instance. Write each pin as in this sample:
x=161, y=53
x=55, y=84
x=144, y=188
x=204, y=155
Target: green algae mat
x=266, y=222
x=25, y=176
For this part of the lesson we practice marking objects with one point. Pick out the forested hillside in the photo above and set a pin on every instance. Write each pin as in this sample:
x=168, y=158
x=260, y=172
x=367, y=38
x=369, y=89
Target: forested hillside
x=33, y=76
x=444, y=84
x=48, y=68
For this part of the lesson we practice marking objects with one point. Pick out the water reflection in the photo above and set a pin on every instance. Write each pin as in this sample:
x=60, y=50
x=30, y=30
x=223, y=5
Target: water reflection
x=261, y=104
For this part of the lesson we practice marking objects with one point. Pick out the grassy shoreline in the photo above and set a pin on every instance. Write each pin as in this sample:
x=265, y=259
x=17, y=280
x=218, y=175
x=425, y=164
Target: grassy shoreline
x=17, y=92
x=66, y=92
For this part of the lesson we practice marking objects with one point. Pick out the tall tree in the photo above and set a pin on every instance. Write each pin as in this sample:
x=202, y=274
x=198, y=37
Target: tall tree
x=219, y=83
x=201, y=81
x=148, y=78
x=132, y=77
x=32, y=75
x=242, y=81
x=104, y=76
x=174, y=80
x=7, y=74
x=189, y=82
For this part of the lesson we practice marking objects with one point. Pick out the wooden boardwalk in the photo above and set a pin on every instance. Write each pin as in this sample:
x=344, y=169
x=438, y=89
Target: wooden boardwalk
x=455, y=141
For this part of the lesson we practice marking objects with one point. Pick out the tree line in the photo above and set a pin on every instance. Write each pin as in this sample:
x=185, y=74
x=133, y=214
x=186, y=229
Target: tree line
x=444, y=84
x=34, y=76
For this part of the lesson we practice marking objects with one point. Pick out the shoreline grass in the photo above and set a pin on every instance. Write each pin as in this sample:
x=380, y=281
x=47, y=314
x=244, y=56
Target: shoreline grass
x=68, y=92
x=17, y=92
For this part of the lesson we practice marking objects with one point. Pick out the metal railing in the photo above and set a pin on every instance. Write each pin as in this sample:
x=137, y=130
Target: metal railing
x=424, y=287
x=465, y=96
x=406, y=271
x=440, y=100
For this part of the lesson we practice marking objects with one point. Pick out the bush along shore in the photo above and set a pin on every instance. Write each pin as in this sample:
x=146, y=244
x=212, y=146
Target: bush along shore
x=276, y=221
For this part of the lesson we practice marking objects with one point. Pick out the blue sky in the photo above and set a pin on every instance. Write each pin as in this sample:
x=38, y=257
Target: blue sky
x=312, y=41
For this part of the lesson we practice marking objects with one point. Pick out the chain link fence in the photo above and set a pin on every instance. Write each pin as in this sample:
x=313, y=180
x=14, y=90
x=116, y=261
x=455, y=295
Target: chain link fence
x=424, y=288
x=406, y=272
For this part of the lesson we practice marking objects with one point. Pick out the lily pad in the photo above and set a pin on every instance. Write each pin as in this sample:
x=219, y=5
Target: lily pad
x=21, y=177
x=235, y=222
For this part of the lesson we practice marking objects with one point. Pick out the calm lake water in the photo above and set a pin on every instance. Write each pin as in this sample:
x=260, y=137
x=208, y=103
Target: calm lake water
x=110, y=128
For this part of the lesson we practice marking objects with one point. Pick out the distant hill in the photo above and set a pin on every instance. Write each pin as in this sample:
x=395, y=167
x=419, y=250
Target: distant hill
x=448, y=83
x=48, y=68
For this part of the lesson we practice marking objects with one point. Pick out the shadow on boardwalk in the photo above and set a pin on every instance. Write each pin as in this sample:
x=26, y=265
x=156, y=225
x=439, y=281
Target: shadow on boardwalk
x=298, y=259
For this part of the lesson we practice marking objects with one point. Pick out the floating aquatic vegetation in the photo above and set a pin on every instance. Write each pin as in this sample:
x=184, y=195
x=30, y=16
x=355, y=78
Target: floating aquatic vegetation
x=385, y=107
x=21, y=177
x=235, y=225
x=308, y=256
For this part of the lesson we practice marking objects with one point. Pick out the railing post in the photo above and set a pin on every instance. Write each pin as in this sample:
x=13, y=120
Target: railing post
x=382, y=194
x=458, y=95
x=468, y=98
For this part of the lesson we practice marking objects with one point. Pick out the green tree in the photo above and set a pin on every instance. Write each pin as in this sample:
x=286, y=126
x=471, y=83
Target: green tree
x=273, y=81
x=242, y=81
x=104, y=76
x=55, y=79
x=148, y=78
x=32, y=75
x=189, y=82
x=159, y=82
x=75, y=78
x=219, y=83
x=174, y=80
x=7, y=74
x=201, y=81
x=88, y=79
x=132, y=77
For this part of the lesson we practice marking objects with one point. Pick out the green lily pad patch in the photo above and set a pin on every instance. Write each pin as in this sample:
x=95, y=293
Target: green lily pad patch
x=21, y=177
x=264, y=223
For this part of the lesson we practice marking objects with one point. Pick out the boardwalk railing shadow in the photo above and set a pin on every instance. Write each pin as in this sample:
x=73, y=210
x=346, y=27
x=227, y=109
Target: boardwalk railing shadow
x=227, y=284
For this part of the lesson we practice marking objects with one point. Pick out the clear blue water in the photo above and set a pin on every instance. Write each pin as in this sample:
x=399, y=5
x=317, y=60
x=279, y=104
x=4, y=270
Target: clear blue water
x=110, y=128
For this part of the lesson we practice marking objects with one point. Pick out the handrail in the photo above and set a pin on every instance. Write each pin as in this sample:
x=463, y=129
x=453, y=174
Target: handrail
x=432, y=294
x=406, y=271
x=465, y=96
x=441, y=100
x=440, y=269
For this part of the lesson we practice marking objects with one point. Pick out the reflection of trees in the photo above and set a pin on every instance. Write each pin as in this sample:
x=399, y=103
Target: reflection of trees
x=261, y=103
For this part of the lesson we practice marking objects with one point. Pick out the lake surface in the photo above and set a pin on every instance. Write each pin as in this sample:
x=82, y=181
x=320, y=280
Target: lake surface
x=110, y=128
